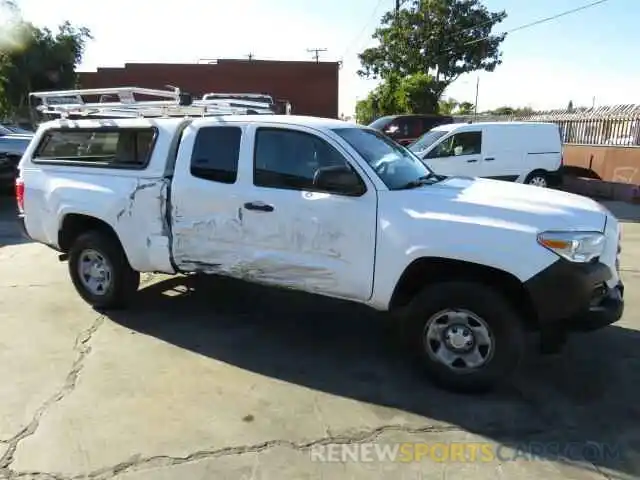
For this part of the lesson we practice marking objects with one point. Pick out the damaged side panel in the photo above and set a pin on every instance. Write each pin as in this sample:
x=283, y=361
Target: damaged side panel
x=141, y=221
x=303, y=244
x=229, y=246
x=316, y=242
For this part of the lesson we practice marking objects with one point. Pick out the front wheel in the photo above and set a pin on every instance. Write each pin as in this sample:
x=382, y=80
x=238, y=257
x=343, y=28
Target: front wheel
x=465, y=335
x=101, y=272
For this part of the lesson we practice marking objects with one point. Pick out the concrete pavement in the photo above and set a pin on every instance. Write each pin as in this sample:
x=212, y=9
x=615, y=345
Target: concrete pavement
x=215, y=379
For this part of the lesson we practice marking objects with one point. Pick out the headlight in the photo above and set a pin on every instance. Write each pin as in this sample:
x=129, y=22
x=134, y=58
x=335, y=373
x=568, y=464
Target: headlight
x=579, y=247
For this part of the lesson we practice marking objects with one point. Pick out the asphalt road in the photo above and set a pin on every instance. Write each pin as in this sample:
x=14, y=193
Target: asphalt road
x=217, y=379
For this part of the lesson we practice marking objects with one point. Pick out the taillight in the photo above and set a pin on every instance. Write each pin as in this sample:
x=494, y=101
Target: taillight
x=20, y=194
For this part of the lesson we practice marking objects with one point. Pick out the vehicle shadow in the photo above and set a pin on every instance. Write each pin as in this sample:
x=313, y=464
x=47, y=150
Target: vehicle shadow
x=10, y=233
x=589, y=394
x=624, y=212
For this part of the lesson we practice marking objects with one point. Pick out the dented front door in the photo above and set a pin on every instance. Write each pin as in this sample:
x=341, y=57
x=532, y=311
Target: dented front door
x=299, y=237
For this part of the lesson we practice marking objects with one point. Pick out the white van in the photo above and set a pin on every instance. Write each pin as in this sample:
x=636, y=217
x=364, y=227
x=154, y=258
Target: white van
x=523, y=152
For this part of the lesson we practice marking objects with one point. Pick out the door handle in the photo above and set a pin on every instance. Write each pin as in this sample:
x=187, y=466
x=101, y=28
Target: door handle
x=489, y=159
x=473, y=160
x=259, y=206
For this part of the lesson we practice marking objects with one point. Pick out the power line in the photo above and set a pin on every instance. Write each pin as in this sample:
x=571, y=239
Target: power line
x=538, y=22
x=366, y=25
x=553, y=17
x=399, y=3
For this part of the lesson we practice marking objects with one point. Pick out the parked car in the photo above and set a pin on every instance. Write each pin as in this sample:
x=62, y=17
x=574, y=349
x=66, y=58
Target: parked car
x=523, y=152
x=12, y=146
x=7, y=129
x=405, y=129
x=466, y=266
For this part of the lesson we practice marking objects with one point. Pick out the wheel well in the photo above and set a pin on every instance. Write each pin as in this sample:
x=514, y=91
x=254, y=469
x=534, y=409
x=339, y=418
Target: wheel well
x=75, y=225
x=430, y=270
x=538, y=170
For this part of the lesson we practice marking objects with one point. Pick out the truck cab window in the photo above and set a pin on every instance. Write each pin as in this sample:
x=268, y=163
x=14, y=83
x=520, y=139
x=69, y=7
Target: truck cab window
x=289, y=159
x=215, y=154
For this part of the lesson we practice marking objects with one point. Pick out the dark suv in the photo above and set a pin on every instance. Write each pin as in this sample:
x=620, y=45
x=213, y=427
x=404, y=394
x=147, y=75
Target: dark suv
x=405, y=129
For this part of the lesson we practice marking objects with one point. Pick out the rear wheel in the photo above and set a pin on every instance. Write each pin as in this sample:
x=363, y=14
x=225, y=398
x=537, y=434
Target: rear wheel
x=538, y=178
x=465, y=335
x=101, y=272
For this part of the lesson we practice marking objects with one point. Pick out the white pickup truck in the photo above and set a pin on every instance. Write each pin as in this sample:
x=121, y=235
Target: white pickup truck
x=467, y=266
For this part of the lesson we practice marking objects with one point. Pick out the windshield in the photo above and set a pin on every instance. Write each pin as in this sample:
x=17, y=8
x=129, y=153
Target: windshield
x=380, y=123
x=426, y=140
x=396, y=166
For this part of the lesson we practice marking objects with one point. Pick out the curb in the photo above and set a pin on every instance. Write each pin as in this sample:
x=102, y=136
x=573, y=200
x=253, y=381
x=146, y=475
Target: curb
x=623, y=192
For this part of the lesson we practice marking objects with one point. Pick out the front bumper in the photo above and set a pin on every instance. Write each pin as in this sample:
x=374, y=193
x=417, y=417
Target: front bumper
x=605, y=310
x=576, y=297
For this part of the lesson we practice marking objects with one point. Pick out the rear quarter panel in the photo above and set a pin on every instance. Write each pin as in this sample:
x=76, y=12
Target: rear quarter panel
x=132, y=202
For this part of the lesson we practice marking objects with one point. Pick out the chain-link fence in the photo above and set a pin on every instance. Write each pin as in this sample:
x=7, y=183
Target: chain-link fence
x=617, y=125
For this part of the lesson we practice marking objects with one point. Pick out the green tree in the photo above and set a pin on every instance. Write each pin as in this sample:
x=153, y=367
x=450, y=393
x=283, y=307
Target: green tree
x=466, y=108
x=504, y=111
x=386, y=99
x=33, y=58
x=440, y=38
x=398, y=95
x=517, y=111
x=417, y=93
x=447, y=106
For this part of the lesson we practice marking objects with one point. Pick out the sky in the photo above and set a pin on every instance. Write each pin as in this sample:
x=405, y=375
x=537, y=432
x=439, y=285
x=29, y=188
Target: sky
x=587, y=57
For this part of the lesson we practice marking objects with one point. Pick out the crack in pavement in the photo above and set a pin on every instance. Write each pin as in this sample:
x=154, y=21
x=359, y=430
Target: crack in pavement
x=83, y=348
x=27, y=285
x=138, y=463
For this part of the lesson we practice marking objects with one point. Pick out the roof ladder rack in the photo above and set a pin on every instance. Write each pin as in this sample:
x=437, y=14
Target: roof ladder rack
x=172, y=103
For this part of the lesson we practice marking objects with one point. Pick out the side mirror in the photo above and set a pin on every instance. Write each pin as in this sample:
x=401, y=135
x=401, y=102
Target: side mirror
x=338, y=179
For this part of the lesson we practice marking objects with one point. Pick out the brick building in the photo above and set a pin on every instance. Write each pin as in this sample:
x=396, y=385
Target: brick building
x=312, y=88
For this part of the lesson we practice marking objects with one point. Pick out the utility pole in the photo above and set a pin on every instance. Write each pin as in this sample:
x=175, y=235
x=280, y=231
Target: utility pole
x=317, y=51
x=475, y=107
x=250, y=56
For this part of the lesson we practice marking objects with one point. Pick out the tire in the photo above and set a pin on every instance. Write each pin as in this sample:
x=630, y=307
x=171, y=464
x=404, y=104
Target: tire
x=121, y=281
x=538, y=178
x=495, y=315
